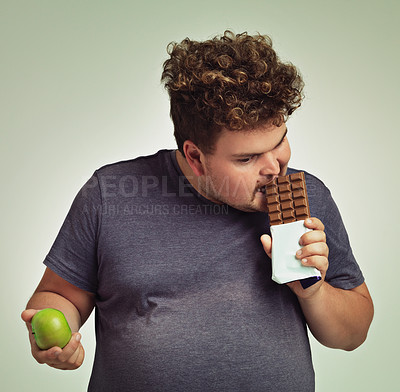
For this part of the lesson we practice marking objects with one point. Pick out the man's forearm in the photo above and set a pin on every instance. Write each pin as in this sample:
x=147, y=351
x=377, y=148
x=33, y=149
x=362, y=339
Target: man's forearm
x=47, y=299
x=339, y=318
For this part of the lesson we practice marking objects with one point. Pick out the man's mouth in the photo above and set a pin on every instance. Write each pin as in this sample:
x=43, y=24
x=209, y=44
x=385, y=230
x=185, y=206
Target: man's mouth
x=263, y=188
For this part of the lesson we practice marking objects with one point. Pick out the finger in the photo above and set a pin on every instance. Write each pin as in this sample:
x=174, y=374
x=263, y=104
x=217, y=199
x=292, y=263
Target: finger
x=73, y=358
x=77, y=359
x=80, y=357
x=314, y=223
x=312, y=236
x=70, y=348
x=73, y=362
x=55, y=356
x=267, y=244
x=27, y=315
x=314, y=249
x=46, y=356
x=319, y=262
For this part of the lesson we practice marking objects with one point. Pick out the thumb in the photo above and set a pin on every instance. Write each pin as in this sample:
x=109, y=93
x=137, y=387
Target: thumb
x=267, y=244
x=27, y=315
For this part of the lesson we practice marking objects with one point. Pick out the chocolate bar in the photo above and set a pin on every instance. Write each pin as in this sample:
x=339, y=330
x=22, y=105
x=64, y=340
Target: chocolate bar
x=287, y=199
x=287, y=202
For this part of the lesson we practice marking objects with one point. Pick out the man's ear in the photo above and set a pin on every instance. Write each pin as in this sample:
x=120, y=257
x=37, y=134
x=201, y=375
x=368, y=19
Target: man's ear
x=194, y=157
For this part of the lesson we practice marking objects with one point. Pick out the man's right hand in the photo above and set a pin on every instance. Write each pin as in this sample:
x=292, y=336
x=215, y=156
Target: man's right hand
x=69, y=358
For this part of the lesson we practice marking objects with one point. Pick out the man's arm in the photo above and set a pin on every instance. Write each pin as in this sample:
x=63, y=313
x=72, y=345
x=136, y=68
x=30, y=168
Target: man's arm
x=337, y=318
x=76, y=304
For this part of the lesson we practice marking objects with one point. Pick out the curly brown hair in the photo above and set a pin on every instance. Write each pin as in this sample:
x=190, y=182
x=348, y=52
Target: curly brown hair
x=231, y=81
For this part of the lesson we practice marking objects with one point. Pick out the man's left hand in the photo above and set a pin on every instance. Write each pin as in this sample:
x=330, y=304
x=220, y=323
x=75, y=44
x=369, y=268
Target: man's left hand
x=314, y=253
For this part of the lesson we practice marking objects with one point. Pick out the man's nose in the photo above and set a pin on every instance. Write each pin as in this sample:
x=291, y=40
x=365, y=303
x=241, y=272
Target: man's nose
x=269, y=165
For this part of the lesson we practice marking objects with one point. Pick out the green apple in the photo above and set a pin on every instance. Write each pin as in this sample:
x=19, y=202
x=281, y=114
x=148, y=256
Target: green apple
x=50, y=328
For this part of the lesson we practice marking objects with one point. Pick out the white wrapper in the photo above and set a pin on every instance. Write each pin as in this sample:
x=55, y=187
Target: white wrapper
x=285, y=244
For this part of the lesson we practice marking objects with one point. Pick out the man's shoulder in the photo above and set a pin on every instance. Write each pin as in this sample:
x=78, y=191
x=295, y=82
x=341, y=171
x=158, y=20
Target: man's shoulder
x=144, y=164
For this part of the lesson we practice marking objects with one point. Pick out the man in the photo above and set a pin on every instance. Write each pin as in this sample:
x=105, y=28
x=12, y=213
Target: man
x=167, y=247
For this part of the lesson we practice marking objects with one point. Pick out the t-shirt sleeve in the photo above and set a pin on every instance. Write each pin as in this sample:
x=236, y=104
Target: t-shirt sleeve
x=73, y=256
x=343, y=271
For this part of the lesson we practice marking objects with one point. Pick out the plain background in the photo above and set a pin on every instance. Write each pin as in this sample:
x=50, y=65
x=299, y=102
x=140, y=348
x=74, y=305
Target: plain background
x=79, y=88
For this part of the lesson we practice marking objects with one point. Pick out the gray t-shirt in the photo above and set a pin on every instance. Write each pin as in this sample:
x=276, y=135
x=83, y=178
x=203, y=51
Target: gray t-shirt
x=184, y=296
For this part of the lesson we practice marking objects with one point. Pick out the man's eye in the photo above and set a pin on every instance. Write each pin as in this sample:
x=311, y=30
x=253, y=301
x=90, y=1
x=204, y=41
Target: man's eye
x=246, y=160
x=280, y=143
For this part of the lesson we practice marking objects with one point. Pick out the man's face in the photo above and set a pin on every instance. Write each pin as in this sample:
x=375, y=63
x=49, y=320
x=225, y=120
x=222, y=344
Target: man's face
x=242, y=163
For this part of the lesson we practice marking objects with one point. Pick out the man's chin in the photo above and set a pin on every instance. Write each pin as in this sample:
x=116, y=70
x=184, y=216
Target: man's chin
x=260, y=209
x=257, y=203
x=256, y=206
